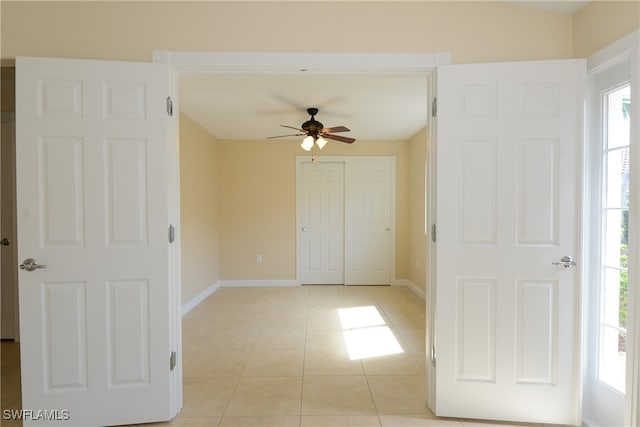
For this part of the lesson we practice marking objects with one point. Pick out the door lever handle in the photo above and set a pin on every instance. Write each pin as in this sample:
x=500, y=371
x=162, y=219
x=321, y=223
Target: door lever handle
x=31, y=264
x=566, y=262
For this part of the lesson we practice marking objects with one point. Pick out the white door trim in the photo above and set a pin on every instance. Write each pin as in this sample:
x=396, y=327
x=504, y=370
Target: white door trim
x=274, y=62
x=626, y=48
x=271, y=62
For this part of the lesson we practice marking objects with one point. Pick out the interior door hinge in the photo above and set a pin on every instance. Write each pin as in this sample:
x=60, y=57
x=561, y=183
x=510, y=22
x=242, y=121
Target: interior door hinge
x=172, y=361
x=434, y=107
x=172, y=233
x=433, y=232
x=432, y=356
x=169, y=106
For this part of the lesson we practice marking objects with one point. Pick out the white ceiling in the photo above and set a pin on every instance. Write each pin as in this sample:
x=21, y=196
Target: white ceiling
x=373, y=106
x=253, y=106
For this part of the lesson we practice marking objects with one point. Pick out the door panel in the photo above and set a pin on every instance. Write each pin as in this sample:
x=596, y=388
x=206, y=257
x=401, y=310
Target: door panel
x=368, y=223
x=508, y=203
x=92, y=179
x=321, y=222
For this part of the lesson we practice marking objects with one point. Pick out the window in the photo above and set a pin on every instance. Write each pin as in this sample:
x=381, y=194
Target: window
x=614, y=238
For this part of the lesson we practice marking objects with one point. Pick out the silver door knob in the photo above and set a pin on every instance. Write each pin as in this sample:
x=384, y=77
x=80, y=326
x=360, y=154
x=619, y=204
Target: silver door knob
x=304, y=229
x=31, y=264
x=5, y=242
x=566, y=262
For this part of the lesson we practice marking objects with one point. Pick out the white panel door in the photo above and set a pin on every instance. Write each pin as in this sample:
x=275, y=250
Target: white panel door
x=368, y=222
x=508, y=207
x=321, y=223
x=92, y=207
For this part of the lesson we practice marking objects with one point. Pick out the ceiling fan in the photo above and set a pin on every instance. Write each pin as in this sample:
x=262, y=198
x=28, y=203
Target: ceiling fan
x=316, y=133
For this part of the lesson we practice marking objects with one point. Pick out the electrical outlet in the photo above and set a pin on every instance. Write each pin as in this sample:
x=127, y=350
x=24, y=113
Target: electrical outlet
x=259, y=258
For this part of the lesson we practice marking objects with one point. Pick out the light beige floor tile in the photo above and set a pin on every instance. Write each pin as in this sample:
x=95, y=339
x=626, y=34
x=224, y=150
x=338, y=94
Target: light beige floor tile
x=286, y=321
x=323, y=318
x=340, y=421
x=325, y=295
x=321, y=339
x=206, y=397
x=482, y=423
x=243, y=323
x=413, y=340
x=282, y=421
x=194, y=422
x=393, y=364
x=336, y=395
x=281, y=339
x=231, y=339
x=183, y=422
x=399, y=394
x=217, y=364
x=416, y=421
x=266, y=396
x=409, y=320
x=330, y=362
x=274, y=363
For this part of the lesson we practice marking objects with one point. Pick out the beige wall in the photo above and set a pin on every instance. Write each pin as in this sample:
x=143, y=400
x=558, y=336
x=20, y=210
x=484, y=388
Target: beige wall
x=417, y=209
x=237, y=196
x=258, y=204
x=471, y=31
x=600, y=23
x=200, y=225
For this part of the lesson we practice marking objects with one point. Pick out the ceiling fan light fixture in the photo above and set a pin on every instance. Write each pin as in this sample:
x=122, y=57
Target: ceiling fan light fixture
x=321, y=142
x=307, y=143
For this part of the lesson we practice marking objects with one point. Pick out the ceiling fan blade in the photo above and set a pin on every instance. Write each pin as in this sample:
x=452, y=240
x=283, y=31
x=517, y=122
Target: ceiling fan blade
x=284, y=136
x=291, y=127
x=339, y=138
x=336, y=129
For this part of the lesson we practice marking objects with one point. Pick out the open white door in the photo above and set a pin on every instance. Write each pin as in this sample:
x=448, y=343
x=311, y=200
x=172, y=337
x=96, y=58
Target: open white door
x=92, y=179
x=508, y=213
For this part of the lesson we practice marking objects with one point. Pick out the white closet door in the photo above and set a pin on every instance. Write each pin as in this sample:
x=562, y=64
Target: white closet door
x=321, y=223
x=345, y=212
x=368, y=222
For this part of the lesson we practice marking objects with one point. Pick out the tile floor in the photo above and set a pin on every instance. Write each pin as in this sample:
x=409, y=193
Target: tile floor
x=278, y=357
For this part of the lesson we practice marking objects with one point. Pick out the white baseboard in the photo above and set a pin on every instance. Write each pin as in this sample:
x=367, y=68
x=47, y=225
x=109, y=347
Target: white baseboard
x=200, y=297
x=257, y=283
x=416, y=290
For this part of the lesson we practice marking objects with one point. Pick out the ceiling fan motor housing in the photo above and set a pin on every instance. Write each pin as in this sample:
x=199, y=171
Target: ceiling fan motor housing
x=312, y=126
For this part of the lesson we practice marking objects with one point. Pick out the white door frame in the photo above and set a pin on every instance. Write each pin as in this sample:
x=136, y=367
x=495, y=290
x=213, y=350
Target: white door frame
x=279, y=62
x=627, y=48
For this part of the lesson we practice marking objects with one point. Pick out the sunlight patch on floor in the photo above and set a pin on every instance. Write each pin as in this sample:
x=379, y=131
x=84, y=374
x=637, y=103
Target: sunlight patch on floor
x=366, y=333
